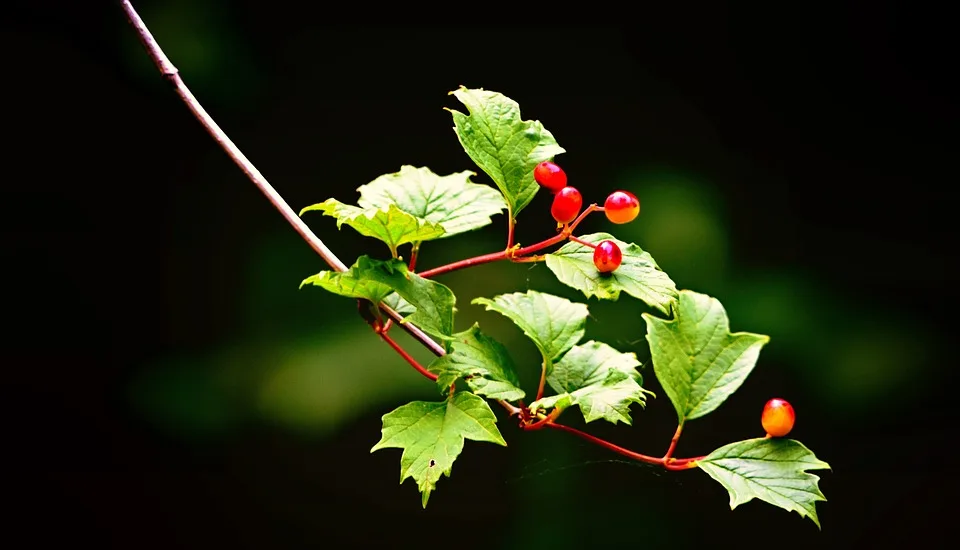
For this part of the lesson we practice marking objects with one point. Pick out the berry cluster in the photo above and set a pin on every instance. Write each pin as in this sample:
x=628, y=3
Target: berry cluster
x=620, y=207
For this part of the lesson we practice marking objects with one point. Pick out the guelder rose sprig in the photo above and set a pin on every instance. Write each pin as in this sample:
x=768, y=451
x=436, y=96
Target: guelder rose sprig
x=696, y=358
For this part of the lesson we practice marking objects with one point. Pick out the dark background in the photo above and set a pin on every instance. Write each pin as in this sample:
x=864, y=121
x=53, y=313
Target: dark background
x=168, y=386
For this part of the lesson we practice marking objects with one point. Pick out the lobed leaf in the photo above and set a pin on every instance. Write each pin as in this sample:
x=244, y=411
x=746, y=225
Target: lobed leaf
x=483, y=362
x=772, y=470
x=554, y=324
x=502, y=144
x=453, y=202
x=638, y=274
x=391, y=225
x=432, y=436
x=698, y=361
x=602, y=381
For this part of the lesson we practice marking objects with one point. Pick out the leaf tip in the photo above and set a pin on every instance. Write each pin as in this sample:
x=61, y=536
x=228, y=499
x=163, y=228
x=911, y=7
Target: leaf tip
x=424, y=497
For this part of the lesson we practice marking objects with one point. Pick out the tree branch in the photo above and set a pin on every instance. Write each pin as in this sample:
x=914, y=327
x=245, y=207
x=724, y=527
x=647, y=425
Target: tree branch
x=169, y=71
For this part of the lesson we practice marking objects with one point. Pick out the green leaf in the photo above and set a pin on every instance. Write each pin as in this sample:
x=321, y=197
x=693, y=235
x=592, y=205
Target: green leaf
x=483, y=362
x=398, y=304
x=432, y=435
x=554, y=324
x=502, y=144
x=638, y=275
x=453, y=202
x=602, y=381
x=698, y=361
x=772, y=470
x=433, y=302
x=430, y=304
x=350, y=284
x=391, y=225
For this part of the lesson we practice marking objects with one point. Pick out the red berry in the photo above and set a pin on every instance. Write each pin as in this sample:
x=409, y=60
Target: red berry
x=607, y=256
x=778, y=417
x=550, y=175
x=566, y=205
x=621, y=207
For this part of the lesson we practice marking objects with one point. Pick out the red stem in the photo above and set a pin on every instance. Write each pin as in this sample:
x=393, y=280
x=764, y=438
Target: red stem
x=515, y=254
x=469, y=262
x=403, y=353
x=673, y=464
x=511, y=225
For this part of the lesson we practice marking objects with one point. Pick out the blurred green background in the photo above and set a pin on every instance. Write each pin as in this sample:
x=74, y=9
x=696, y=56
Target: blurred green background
x=178, y=389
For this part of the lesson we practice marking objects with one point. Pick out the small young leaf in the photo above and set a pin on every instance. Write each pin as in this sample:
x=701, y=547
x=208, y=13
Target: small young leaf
x=602, y=381
x=698, y=361
x=391, y=225
x=554, y=324
x=638, y=275
x=483, y=362
x=453, y=202
x=772, y=470
x=432, y=435
x=502, y=144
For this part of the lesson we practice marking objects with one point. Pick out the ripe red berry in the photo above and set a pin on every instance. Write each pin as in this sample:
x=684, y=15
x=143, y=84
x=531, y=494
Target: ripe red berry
x=778, y=417
x=550, y=175
x=607, y=256
x=621, y=207
x=566, y=205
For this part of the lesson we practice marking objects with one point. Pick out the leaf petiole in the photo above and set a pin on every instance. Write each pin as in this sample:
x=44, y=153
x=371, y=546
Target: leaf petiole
x=673, y=443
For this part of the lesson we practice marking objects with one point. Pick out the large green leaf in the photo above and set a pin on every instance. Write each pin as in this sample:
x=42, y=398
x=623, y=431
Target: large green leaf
x=483, y=362
x=772, y=470
x=432, y=435
x=638, y=274
x=554, y=324
x=698, y=361
x=602, y=381
x=431, y=304
x=391, y=225
x=502, y=144
x=453, y=202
